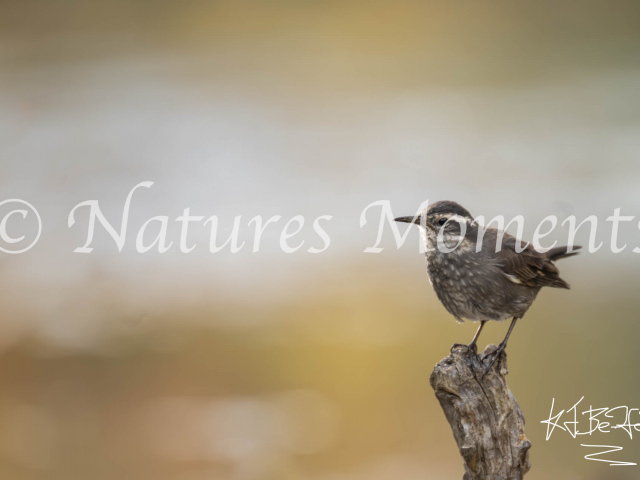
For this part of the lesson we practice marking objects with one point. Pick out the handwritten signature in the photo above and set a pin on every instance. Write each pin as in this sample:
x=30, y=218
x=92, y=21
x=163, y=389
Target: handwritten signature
x=600, y=420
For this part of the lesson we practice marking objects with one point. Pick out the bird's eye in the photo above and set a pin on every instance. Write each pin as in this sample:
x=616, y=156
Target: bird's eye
x=442, y=221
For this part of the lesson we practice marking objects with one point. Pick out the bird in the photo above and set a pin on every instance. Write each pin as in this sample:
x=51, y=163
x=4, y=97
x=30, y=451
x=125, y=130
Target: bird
x=482, y=273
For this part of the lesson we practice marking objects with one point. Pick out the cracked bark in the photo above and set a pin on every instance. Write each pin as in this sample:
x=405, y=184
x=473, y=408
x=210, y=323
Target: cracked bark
x=487, y=423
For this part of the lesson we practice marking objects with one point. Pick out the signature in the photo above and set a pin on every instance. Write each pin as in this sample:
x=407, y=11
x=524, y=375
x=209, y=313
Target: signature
x=603, y=420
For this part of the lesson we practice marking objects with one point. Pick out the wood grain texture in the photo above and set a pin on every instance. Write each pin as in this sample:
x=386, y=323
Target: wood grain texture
x=487, y=423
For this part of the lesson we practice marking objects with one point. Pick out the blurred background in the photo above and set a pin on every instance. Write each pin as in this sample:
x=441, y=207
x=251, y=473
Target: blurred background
x=276, y=366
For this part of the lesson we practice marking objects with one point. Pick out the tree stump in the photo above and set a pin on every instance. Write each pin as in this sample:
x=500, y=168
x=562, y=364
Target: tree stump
x=486, y=420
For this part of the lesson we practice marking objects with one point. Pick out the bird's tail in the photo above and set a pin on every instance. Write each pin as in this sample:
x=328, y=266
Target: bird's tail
x=557, y=253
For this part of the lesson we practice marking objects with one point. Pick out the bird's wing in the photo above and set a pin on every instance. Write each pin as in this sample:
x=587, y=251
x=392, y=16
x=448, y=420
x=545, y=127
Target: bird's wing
x=529, y=267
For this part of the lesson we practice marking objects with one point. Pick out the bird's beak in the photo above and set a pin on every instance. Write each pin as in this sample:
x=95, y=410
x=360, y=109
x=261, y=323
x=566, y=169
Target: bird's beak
x=416, y=220
x=408, y=219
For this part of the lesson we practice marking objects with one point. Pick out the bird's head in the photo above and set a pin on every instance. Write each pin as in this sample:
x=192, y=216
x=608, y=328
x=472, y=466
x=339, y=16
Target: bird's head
x=444, y=216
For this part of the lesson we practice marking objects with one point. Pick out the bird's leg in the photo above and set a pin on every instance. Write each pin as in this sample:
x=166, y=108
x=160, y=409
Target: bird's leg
x=472, y=346
x=498, y=351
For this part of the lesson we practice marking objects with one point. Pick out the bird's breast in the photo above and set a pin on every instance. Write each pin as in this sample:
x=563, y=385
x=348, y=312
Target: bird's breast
x=468, y=289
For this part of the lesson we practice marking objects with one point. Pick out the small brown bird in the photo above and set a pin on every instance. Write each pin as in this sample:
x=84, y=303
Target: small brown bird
x=486, y=283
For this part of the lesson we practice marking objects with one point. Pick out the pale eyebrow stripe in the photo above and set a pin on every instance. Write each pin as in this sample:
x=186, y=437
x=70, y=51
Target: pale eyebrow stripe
x=456, y=217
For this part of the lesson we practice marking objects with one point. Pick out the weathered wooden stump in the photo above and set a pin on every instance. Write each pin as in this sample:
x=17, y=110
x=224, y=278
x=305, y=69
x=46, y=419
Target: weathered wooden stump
x=486, y=420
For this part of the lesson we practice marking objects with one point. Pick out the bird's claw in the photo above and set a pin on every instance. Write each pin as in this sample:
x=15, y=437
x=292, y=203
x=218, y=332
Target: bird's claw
x=471, y=348
x=496, y=355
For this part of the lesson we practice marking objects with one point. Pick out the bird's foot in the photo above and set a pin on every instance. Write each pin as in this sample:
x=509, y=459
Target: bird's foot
x=496, y=355
x=472, y=348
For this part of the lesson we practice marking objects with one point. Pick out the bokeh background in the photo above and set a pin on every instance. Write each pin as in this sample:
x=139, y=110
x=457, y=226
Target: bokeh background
x=276, y=366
